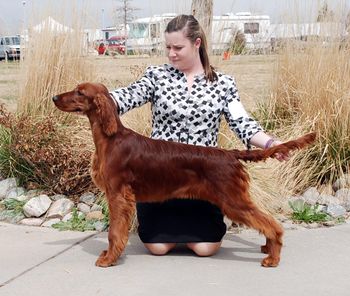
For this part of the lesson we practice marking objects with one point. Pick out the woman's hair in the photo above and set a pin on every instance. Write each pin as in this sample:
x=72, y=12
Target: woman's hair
x=192, y=31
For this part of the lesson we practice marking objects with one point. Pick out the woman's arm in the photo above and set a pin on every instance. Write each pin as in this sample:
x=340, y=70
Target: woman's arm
x=262, y=140
x=136, y=94
x=247, y=129
x=237, y=117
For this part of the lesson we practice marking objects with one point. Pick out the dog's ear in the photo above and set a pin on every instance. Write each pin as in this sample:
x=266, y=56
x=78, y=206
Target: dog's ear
x=106, y=114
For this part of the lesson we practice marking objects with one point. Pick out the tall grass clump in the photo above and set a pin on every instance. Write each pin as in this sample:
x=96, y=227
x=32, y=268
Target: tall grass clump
x=311, y=92
x=42, y=146
x=54, y=61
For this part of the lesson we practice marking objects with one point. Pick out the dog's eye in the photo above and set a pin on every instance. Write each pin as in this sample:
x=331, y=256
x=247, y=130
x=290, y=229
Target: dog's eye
x=80, y=93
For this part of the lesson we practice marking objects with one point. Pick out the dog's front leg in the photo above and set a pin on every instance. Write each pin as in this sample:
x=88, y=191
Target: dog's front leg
x=121, y=209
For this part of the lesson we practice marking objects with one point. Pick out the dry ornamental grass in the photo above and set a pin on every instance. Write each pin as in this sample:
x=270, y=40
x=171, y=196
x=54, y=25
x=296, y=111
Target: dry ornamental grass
x=310, y=91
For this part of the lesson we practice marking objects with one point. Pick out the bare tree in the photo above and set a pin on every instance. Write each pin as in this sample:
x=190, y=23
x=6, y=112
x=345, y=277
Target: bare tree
x=347, y=22
x=202, y=10
x=325, y=14
x=125, y=14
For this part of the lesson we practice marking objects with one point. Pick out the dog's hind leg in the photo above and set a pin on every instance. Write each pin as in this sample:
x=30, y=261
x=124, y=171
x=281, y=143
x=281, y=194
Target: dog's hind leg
x=247, y=213
x=121, y=209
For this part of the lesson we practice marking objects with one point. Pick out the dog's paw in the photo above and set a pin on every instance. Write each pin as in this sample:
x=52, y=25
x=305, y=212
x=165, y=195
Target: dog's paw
x=105, y=261
x=270, y=261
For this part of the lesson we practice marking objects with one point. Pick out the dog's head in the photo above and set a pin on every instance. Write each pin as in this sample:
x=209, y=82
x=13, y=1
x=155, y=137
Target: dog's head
x=93, y=100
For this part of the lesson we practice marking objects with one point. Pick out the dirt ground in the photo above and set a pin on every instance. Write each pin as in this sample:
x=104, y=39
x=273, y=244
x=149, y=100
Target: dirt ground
x=9, y=84
x=252, y=73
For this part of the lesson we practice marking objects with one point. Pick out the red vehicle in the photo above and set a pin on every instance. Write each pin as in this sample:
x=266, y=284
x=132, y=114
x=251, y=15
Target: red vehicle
x=116, y=45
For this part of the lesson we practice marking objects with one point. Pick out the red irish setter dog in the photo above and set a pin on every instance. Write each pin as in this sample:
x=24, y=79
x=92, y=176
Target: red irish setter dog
x=129, y=167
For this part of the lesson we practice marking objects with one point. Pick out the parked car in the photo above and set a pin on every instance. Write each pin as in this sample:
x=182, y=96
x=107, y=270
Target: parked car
x=10, y=47
x=116, y=45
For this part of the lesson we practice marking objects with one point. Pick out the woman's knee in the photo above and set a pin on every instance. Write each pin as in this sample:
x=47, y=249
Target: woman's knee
x=204, y=249
x=159, y=249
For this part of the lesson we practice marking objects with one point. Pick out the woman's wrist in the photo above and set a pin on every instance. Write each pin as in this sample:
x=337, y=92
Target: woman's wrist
x=262, y=140
x=269, y=143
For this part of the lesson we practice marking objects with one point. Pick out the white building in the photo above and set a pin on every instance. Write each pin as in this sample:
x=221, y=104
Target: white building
x=146, y=35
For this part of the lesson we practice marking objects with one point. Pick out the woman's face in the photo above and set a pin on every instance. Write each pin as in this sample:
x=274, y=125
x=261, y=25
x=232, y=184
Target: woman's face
x=181, y=52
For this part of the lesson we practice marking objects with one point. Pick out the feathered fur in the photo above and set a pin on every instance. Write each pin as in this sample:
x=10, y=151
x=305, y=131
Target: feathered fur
x=129, y=167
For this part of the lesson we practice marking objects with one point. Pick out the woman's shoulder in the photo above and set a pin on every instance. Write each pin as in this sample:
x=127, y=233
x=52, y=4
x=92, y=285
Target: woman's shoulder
x=161, y=68
x=222, y=77
x=225, y=80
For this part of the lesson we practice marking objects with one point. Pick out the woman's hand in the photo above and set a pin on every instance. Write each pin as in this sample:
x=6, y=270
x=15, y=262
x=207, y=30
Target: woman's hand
x=280, y=156
x=265, y=141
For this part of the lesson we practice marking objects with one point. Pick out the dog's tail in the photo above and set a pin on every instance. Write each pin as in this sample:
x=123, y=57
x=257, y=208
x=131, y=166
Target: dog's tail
x=284, y=148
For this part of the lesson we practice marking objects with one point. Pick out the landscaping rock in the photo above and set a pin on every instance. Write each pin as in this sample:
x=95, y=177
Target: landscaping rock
x=58, y=197
x=60, y=208
x=96, y=215
x=15, y=192
x=311, y=196
x=67, y=217
x=336, y=211
x=37, y=206
x=6, y=185
x=50, y=222
x=32, y=221
x=83, y=208
x=100, y=226
x=325, y=199
x=329, y=223
x=343, y=194
x=96, y=207
x=88, y=198
x=342, y=182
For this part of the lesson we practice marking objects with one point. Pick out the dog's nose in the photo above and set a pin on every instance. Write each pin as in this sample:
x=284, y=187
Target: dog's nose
x=55, y=98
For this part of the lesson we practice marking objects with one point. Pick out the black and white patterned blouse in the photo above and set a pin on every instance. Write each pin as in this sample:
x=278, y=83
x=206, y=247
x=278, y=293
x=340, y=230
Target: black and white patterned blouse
x=185, y=116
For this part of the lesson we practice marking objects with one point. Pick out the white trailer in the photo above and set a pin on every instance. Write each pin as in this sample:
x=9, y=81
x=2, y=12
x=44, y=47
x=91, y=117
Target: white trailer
x=146, y=35
x=254, y=27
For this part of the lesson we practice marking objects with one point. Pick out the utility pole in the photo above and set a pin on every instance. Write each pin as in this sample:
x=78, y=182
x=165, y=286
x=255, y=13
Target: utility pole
x=103, y=17
x=24, y=17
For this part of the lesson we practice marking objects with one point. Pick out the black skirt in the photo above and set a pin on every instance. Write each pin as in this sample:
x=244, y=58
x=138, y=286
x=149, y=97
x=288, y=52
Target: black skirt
x=180, y=221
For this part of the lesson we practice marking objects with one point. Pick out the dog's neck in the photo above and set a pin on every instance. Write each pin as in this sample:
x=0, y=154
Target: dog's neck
x=100, y=135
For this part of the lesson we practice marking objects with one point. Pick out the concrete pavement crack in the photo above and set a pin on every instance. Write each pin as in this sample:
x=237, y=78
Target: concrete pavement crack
x=48, y=259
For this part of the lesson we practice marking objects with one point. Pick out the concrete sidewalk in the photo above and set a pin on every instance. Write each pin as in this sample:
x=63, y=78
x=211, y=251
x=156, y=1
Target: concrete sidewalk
x=40, y=261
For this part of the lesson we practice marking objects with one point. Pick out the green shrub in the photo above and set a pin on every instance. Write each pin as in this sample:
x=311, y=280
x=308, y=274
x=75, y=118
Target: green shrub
x=76, y=223
x=303, y=212
x=11, y=210
x=14, y=205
